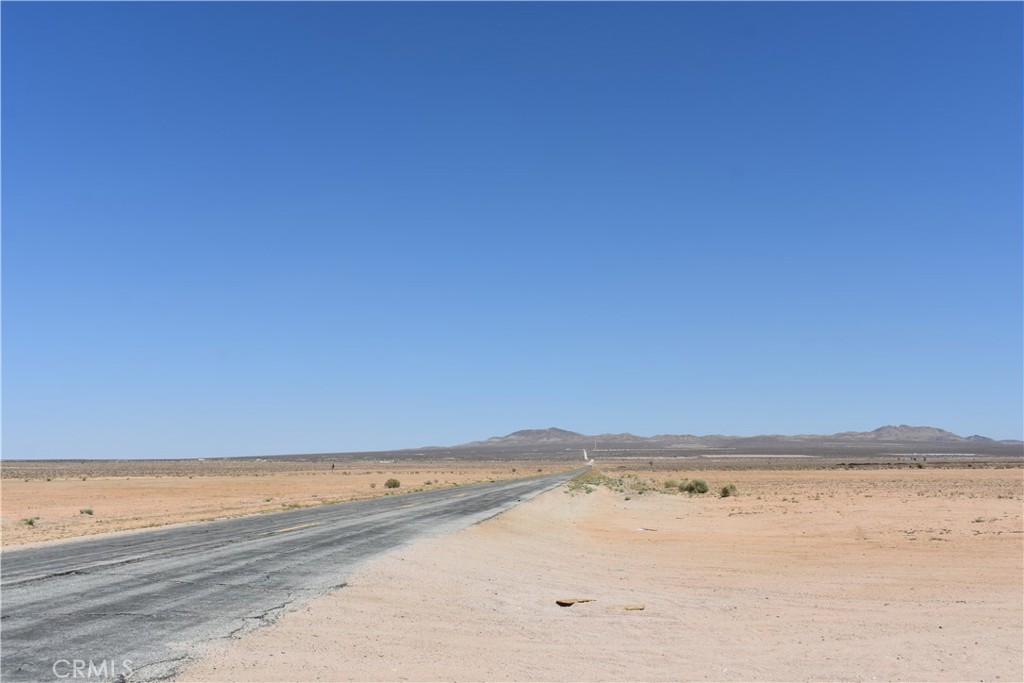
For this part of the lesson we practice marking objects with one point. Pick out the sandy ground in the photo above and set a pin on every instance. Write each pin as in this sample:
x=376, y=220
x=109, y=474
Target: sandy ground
x=908, y=575
x=67, y=499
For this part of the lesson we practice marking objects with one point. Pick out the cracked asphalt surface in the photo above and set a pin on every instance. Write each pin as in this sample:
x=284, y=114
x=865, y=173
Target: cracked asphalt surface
x=136, y=606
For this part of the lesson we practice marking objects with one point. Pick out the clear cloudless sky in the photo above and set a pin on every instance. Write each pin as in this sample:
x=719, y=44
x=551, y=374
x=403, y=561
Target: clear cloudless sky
x=258, y=228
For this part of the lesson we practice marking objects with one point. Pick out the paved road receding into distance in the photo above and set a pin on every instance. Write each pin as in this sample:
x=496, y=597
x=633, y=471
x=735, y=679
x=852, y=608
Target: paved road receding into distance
x=132, y=606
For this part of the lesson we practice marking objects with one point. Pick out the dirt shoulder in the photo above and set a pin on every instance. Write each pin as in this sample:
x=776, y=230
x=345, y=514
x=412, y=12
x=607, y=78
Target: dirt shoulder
x=838, y=575
x=49, y=501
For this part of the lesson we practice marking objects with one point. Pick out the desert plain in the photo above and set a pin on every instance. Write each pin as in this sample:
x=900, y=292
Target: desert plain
x=53, y=500
x=905, y=572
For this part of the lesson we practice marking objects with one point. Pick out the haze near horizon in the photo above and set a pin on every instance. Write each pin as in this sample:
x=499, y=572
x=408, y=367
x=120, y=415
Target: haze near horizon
x=257, y=228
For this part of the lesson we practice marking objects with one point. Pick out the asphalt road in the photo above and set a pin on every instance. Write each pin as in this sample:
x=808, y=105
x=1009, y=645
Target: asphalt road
x=134, y=606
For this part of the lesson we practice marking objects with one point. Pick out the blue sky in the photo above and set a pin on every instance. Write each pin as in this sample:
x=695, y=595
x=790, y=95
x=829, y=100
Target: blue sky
x=235, y=229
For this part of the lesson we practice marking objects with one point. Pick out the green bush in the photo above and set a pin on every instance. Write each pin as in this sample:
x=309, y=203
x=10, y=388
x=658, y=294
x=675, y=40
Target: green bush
x=671, y=484
x=694, y=486
x=727, y=490
x=85, y=511
x=392, y=483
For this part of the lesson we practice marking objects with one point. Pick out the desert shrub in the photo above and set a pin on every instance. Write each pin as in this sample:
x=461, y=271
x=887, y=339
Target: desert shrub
x=29, y=521
x=727, y=490
x=392, y=483
x=694, y=486
x=85, y=511
x=373, y=484
x=671, y=484
x=587, y=480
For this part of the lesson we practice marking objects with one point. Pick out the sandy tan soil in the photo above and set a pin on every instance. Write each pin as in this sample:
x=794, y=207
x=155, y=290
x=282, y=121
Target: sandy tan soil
x=909, y=575
x=68, y=499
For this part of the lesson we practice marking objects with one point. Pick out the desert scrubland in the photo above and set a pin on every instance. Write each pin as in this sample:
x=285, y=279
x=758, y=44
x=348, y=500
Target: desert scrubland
x=833, y=574
x=810, y=570
x=54, y=500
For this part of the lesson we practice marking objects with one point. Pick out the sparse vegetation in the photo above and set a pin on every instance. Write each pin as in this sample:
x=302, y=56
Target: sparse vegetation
x=29, y=521
x=392, y=483
x=634, y=485
x=85, y=511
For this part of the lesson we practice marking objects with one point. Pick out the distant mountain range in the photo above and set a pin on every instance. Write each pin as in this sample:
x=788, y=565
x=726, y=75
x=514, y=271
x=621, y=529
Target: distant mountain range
x=553, y=443
x=901, y=436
